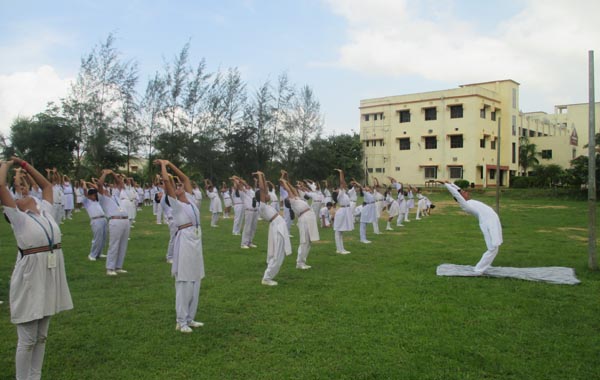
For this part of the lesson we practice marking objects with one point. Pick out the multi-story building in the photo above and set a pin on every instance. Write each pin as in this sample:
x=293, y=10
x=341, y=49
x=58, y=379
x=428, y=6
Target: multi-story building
x=449, y=134
x=453, y=134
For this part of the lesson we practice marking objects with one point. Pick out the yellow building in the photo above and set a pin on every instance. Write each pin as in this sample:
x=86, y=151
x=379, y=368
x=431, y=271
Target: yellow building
x=449, y=134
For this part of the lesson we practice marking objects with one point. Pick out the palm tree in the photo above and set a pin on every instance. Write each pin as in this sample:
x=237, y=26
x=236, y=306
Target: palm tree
x=527, y=154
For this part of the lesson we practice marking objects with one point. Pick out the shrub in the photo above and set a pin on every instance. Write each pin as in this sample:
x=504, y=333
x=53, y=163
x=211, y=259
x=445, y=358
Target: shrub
x=462, y=183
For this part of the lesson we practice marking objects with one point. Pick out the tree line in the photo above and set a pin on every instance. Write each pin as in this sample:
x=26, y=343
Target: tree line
x=209, y=123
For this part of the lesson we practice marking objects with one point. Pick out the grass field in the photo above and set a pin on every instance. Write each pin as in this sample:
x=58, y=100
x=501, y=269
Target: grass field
x=378, y=313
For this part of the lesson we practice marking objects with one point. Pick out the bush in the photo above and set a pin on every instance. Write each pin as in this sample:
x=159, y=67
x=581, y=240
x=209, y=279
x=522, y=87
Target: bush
x=462, y=183
x=522, y=182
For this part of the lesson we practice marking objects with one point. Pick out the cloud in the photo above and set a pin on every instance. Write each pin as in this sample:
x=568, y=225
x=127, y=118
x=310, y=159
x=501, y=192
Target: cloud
x=27, y=93
x=543, y=45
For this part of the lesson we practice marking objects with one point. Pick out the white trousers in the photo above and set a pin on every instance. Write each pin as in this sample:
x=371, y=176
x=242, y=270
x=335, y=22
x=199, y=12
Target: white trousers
x=339, y=241
x=250, y=221
x=187, y=294
x=488, y=256
x=238, y=218
x=31, y=347
x=99, y=231
x=118, y=235
x=274, y=262
x=363, y=231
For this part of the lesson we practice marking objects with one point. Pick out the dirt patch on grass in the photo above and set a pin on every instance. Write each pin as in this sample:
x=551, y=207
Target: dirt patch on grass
x=518, y=207
x=572, y=229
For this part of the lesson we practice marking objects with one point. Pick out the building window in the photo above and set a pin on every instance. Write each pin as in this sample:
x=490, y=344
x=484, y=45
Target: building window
x=431, y=142
x=431, y=113
x=482, y=113
x=514, y=153
x=405, y=116
x=404, y=143
x=456, y=141
x=374, y=116
x=430, y=172
x=377, y=170
x=493, y=115
x=456, y=172
x=456, y=112
x=514, y=125
x=524, y=132
x=397, y=168
x=574, y=154
x=492, y=173
x=547, y=154
x=370, y=170
x=531, y=133
x=482, y=143
x=493, y=144
x=366, y=117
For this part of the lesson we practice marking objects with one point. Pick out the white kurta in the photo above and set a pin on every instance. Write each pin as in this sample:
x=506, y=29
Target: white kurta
x=344, y=220
x=188, y=260
x=368, y=213
x=307, y=221
x=488, y=219
x=37, y=291
x=68, y=200
x=215, y=201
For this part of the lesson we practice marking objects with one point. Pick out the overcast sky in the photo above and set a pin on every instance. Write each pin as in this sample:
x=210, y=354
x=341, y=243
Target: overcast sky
x=346, y=50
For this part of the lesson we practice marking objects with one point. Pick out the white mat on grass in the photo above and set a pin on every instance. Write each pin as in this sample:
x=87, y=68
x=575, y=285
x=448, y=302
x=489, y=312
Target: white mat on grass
x=553, y=275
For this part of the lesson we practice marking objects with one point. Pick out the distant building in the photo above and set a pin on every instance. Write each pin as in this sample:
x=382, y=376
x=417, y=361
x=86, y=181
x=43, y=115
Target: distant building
x=453, y=134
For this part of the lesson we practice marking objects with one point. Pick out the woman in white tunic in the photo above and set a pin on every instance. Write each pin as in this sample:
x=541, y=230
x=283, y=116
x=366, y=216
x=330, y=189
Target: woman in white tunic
x=188, y=262
x=489, y=223
x=367, y=214
x=273, y=200
x=238, y=208
x=307, y=222
x=97, y=221
x=38, y=285
x=344, y=220
x=227, y=202
x=68, y=197
x=279, y=244
x=118, y=224
x=215, y=202
x=392, y=207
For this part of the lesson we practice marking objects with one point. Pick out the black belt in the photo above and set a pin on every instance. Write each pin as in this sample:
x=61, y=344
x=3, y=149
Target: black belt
x=183, y=226
x=45, y=248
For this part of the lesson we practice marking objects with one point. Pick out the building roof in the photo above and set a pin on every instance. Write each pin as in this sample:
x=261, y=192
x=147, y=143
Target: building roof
x=492, y=81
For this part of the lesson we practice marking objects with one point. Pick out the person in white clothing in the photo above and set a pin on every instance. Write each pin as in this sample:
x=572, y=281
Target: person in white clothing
x=188, y=260
x=307, y=222
x=227, y=201
x=118, y=223
x=215, y=202
x=344, y=218
x=68, y=197
x=97, y=220
x=38, y=284
x=238, y=208
x=279, y=244
x=273, y=200
x=489, y=223
x=367, y=214
x=392, y=207
x=325, y=215
x=250, y=213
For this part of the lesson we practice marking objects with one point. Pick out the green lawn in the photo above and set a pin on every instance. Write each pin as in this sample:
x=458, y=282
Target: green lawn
x=378, y=313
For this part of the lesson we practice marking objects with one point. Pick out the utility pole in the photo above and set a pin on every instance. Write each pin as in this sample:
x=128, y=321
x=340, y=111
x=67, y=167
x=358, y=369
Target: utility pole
x=592, y=261
x=498, y=173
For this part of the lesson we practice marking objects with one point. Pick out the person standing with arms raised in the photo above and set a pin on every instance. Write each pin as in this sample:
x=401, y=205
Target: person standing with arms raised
x=38, y=285
x=118, y=223
x=188, y=261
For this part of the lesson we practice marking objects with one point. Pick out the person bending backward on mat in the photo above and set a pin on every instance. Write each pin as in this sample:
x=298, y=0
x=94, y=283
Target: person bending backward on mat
x=188, y=260
x=38, y=285
x=278, y=245
x=488, y=222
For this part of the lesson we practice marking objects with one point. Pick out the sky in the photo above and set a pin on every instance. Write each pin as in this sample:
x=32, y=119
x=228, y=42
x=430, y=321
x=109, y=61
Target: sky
x=345, y=50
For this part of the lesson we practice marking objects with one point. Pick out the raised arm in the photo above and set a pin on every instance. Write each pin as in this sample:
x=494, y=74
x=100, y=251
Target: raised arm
x=5, y=195
x=168, y=185
x=262, y=185
x=187, y=184
x=38, y=178
x=343, y=184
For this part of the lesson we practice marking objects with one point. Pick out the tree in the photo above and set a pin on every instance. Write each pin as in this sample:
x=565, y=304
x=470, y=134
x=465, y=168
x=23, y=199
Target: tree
x=45, y=141
x=129, y=131
x=528, y=155
x=577, y=174
x=151, y=109
x=549, y=175
x=305, y=120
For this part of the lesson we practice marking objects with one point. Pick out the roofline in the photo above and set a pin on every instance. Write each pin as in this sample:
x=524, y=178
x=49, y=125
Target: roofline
x=574, y=104
x=492, y=81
